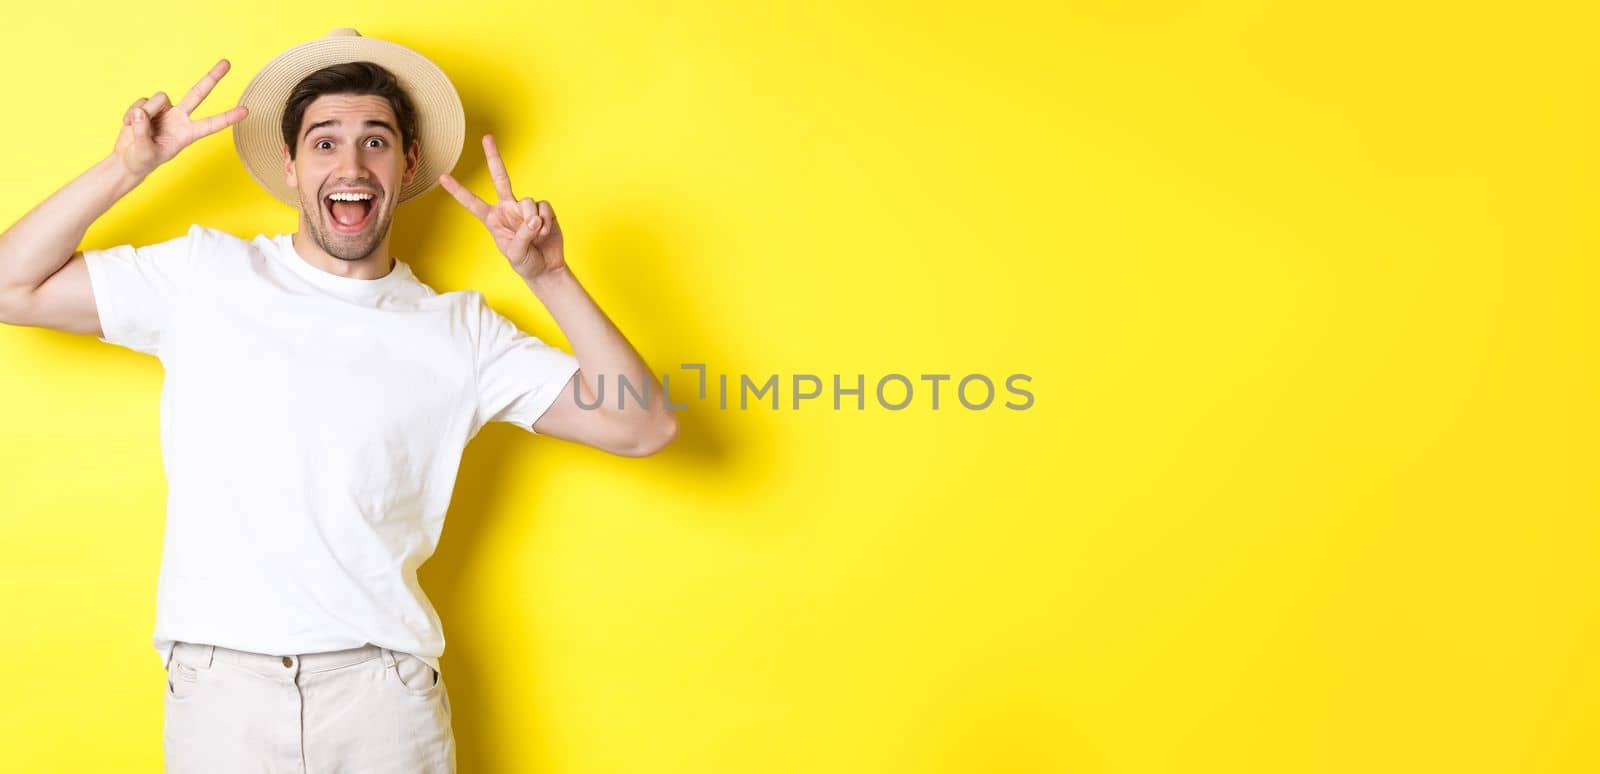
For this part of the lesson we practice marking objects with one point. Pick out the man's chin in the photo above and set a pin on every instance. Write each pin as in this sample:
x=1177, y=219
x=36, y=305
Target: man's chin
x=350, y=247
x=347, y=247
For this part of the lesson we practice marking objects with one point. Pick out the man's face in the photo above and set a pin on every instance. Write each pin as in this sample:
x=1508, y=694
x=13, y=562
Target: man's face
x=349, y=143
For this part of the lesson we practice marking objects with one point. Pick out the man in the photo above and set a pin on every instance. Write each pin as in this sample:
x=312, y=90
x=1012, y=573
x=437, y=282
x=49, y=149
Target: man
x=317, y=399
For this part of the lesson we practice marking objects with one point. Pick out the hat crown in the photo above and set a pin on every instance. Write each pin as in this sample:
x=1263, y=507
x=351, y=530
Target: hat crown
x=344, y=32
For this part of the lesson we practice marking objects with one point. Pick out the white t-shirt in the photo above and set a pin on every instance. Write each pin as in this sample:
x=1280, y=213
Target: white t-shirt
x=311, y=430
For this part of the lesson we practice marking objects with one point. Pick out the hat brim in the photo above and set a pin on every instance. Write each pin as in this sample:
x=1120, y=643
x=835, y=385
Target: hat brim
x=441, y=122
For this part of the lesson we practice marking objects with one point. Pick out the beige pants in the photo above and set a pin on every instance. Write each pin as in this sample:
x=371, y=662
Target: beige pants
x=366, y=709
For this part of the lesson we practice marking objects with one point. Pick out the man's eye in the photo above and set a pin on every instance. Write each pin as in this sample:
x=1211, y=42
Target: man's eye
x=320, y=143
x=376, y=139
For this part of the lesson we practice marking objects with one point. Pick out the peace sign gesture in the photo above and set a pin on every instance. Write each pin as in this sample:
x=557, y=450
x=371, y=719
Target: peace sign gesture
x=525, y=230
x=154, y=130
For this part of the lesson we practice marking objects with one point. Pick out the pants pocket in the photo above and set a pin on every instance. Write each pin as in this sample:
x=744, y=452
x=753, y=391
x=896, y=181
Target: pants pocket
x=416, y=677
x=183, y=671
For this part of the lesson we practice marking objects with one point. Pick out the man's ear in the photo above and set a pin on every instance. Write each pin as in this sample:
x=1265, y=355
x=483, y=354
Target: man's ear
x=413, y=162
x=288, y=168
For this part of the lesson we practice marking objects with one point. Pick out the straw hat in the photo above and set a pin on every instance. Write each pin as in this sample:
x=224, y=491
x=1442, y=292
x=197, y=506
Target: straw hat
x=441, y=124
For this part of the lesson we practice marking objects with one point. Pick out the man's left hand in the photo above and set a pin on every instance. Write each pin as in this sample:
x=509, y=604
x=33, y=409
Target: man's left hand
x=524, y=229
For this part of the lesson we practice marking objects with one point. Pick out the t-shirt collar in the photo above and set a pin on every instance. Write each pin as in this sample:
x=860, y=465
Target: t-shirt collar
x=348, y=286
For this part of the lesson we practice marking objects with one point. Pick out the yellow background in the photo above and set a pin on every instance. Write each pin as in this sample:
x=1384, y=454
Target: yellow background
x=1306, y=294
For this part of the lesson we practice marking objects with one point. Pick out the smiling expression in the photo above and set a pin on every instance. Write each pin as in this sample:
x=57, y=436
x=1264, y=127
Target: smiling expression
x=349, y=145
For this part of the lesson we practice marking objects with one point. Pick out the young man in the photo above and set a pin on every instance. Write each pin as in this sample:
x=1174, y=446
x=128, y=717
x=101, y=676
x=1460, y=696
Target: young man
x=317, y=400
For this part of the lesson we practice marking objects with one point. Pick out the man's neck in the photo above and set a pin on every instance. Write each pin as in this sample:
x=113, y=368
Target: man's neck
x=374, y=266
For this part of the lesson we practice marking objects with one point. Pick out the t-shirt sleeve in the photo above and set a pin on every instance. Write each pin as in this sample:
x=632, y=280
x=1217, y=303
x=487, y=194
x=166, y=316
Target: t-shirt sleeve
x=136, y=288
x=519, y=376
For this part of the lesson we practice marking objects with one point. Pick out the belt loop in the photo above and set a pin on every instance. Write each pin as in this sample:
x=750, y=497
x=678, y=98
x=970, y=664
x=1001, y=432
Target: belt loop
x=387, y=656
x=206, y=657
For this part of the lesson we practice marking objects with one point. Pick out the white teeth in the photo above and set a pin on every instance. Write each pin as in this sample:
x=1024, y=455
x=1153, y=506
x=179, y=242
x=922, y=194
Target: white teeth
x=350, y=197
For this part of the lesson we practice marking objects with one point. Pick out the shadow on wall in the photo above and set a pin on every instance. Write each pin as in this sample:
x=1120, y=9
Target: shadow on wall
x=638, y=281
x=702, y=452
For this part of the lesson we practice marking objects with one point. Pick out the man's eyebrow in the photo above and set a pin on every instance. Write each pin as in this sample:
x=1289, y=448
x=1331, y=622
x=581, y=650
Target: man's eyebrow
x=336, y=122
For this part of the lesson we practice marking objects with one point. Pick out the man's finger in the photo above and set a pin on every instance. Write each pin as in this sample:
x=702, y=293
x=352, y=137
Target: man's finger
x=222, y=121
x=156, y=104
x=547, y=218
x=203, y=88
x=521, y=239
x=140, y=123
x=127, y=115
x=468, y=199
x=497, y=170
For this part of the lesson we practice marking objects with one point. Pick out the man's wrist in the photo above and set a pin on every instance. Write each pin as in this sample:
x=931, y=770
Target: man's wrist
x=121, y=178
x=550, y=281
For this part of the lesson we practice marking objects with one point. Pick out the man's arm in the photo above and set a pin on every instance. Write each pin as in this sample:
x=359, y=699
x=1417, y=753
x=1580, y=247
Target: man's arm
x=527, y=234
x=630, y=430
x=44, y=281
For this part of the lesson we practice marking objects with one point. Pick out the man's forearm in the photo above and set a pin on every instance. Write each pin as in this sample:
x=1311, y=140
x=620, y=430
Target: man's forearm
x=39, y=244
x=602, y=350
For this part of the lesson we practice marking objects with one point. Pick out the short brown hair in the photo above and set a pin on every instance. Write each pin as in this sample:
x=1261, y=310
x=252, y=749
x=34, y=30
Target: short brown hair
x=354, y=78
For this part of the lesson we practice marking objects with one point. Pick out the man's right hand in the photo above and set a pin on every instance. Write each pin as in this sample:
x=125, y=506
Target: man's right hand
x=154, y=130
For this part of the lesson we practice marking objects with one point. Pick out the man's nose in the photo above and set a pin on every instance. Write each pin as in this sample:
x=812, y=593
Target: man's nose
x=348, y=164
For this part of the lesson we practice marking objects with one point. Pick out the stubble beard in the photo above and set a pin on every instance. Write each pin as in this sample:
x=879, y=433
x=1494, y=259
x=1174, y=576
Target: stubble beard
x=346, y=247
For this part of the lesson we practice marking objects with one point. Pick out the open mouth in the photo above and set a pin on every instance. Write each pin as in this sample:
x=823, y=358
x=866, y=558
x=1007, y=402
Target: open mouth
x=349, y=213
